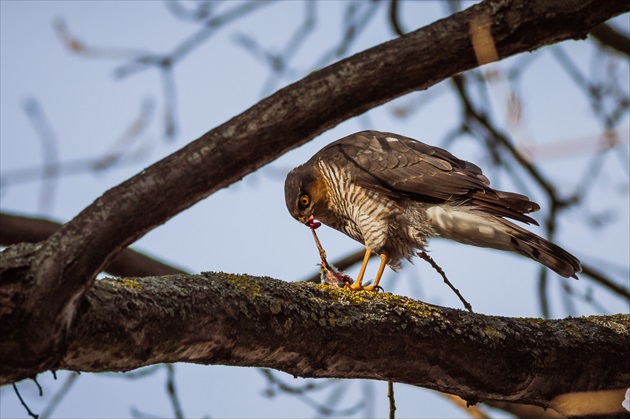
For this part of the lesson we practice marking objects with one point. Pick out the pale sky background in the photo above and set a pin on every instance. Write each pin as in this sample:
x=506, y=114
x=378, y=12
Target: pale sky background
x=246, y=227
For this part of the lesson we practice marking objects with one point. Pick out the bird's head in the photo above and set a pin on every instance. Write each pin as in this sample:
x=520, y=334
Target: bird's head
x=305, y=194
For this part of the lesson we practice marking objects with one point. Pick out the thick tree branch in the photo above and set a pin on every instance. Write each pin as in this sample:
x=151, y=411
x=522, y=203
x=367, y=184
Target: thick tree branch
x=319, y=331
x=59, y=272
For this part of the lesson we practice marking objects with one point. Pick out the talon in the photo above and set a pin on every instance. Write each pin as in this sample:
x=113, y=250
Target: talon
x=370, y=288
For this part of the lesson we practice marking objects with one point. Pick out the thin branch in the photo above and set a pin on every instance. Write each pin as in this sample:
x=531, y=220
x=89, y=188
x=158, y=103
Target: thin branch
x=50, y=153
x=140, y=373
x=59, y=395
x=603, y=280
x=201, y=10
x=119, y=154
x=424, y=255
x=543, y=293
x=336, y=389
x=355, y=22
x=188, y=45
x=606, y=35
x=394, y=17
x=503, y=139
x=76, y=46
x=170, y=102
x=28, y=410
x=278, y=63
x=172, y=392
x=392, y=401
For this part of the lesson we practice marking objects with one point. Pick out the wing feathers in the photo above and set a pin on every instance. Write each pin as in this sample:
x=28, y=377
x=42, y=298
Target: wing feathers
x=402, y=167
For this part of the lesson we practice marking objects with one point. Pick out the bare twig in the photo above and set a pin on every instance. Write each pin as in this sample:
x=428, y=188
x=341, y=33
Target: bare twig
x=356, y=18
x=612, y=38
x=337, y=389
x=170, y=102
x=201, y=10
x=278, y=63
x=209, y=27
x=595, y=275
x=50, y=152
x=394, y=18
x=119, y=154
x=28, y=410
x=424, y=255
x=502, y=139
x=59, y=395
x=543, y=293
x=392, y=401
x=172, y=392
x=76, y=46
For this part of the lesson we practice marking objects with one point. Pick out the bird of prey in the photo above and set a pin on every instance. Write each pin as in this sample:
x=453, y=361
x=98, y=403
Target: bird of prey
x=391, y=193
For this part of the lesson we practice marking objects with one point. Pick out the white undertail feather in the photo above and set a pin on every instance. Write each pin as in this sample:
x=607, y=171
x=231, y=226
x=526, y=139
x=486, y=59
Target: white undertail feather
x=476, y=228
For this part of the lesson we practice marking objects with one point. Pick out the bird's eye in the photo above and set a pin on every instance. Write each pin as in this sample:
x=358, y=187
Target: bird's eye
x=305, y=200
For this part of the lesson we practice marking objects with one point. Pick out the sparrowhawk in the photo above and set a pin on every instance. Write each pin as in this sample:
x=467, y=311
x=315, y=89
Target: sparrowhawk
x=392, y=193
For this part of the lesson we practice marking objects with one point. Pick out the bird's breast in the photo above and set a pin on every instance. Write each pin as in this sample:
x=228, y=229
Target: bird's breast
x=360, y=213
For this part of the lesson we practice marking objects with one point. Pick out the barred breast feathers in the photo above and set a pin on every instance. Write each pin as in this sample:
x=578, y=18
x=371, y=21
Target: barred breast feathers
x=363, y=213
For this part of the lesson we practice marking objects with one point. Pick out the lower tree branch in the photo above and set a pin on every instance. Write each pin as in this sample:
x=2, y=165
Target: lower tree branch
x=311, y=330
x=20, y=229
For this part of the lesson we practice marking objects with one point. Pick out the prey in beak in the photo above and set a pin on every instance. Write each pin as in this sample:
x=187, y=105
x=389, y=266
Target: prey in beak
x=329, y=274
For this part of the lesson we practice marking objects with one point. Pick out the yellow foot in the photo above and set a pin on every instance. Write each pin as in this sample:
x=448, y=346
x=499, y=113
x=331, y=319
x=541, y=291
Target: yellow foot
x=354, y=287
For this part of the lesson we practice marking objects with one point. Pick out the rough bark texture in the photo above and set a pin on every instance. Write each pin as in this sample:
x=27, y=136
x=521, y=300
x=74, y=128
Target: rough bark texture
x=319, y=331
x=41, y=286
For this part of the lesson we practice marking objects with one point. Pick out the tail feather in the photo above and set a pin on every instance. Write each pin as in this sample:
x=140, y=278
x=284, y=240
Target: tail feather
x=485, y=230
x=543, y=251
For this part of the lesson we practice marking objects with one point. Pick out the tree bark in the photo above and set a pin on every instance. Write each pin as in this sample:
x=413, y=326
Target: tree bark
x=313, y=330
x=42, y=286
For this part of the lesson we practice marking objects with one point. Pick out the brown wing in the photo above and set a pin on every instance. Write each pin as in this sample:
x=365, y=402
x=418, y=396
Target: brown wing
x=402, y=167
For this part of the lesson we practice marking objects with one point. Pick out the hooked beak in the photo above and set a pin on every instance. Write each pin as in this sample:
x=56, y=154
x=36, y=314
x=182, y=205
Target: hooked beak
x=311, y=223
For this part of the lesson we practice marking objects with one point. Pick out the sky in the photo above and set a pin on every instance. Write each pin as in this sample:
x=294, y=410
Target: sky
x=89, y=110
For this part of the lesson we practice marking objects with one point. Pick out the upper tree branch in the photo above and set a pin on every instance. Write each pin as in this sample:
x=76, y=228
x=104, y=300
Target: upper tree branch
x=60, y=271
x=320, y=331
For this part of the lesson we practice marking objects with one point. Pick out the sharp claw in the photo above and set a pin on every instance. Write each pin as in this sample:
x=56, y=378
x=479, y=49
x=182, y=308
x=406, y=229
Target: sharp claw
x=364, y=288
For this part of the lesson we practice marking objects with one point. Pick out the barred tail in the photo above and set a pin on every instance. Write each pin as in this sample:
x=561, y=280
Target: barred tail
x=485, y=230
x=543, y=251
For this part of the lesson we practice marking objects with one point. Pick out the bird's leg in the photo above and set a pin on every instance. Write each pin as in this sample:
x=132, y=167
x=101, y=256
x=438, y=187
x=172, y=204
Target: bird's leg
x=374, y=287
x=381, y=268
x=357, y=284
x=379, y=274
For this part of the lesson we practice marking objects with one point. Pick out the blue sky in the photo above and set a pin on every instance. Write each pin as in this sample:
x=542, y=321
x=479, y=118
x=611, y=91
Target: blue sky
x=246, y=228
